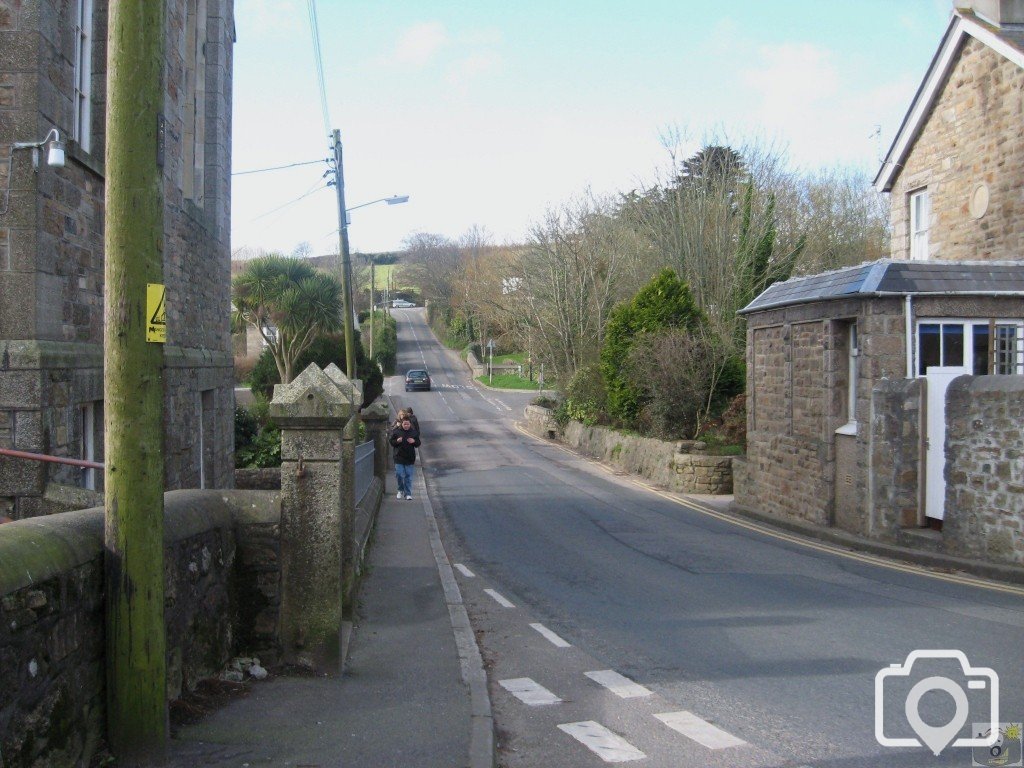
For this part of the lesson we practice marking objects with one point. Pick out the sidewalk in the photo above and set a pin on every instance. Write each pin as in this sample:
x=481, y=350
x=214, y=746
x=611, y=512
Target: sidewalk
x=402, y=700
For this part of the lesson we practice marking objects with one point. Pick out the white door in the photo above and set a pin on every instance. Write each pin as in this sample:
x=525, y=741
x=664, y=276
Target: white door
x=935, y=439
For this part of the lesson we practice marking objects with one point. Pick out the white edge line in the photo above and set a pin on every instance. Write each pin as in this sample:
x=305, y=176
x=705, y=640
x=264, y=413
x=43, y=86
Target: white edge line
x=551, y=636
x=465, y=571
x=701, y=731
x=499, y=598
x=618, y=684
x=530, y=692
x=607, y=745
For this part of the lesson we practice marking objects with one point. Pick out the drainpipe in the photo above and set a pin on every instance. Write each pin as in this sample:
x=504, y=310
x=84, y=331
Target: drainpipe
x=908, y=315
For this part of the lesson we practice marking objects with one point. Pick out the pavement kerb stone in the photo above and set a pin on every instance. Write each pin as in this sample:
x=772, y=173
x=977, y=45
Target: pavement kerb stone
x=481, y=741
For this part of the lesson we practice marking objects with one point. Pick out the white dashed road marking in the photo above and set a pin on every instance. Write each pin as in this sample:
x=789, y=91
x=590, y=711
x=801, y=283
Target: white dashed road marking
x=602, y=742
x=555, y=639
x=464, y=571
x=499, y=599
x=529, y=692
x=699, y=730
x=621, y=686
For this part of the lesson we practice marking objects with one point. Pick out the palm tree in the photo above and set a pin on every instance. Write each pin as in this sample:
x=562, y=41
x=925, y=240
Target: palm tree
x=276, y=292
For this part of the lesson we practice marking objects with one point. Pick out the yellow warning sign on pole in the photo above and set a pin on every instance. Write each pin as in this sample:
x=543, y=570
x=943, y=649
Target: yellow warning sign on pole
x=156, y=314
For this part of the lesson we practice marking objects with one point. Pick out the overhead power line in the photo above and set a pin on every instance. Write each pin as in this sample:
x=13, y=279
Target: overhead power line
x=314, y=25
x=278, y=167
x=316, y=188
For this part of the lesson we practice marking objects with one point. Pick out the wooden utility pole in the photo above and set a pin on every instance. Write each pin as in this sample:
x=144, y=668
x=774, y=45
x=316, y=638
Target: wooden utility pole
x=133, y=387
x=346, y=265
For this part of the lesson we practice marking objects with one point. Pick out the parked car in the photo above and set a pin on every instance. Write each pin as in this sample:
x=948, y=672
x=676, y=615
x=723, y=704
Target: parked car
x=402, y=304
x=417, y=380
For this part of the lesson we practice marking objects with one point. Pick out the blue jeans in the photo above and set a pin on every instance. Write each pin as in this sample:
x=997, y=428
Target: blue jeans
x=403, y=472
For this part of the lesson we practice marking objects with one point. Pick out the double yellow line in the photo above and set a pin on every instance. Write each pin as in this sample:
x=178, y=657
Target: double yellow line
x=765, y=530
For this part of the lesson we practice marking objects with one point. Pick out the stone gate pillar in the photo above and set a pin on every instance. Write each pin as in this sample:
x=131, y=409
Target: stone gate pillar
x=376, y=418
x=311, y=412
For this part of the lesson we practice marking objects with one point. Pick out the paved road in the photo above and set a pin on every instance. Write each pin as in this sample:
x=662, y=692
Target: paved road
x=748, y=650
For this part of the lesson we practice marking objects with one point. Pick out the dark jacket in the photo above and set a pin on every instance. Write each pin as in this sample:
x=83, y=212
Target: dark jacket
x=405, y=452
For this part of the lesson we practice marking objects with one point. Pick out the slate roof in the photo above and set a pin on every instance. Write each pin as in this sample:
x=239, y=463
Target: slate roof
x=896, y=278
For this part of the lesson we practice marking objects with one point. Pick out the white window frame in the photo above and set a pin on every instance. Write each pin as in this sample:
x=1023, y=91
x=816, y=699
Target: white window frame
x=852, y=353
x=968, y=325
x=920, y=219
x=82, y=108
x=87, y=444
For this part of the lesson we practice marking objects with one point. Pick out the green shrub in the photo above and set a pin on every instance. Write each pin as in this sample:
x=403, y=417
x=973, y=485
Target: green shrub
x=264, y=451
x=257, y=438
x=585, y=397
x=324, y=351
x=246, y=427
x=385, y=342
x=665, y=302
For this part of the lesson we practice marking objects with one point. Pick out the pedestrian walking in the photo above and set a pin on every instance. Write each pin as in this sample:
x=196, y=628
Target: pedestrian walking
x=412, y=418
x=405, y=438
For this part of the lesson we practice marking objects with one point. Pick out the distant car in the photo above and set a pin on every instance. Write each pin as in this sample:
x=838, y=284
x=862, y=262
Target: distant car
x=417, y=380
x=402, y=304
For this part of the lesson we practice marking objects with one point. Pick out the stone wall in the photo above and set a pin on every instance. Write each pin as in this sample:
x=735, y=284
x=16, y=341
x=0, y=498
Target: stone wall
x=681, y=466
x=797, y=384
x=895, y=455
x=51, y=254
x=220, y=596
x=969, y=139
x=985, y=468
x=539, y=421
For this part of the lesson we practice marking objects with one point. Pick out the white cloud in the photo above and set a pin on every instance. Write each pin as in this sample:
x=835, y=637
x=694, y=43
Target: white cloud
x=419, y=44
x=792, y=74
x=473, y=66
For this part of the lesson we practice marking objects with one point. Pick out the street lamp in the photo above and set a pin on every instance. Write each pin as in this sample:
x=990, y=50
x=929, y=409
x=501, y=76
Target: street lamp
x=346, y=263
x=393, y=200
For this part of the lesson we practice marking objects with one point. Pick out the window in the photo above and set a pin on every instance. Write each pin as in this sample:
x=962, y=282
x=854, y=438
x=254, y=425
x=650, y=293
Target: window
x=851, y=395
x=983, y=346
x=920, y=214
x=194, y=128
x=998, y=349
x=90, y=433
x=83, y=75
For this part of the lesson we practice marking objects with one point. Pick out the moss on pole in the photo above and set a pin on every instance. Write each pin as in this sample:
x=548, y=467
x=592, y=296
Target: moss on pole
x=133, y=387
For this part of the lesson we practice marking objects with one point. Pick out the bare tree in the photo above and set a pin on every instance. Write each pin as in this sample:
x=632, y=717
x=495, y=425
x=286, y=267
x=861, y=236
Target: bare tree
x=843, y=220
x=433, y=262
x=709, y=217
x=573, y=272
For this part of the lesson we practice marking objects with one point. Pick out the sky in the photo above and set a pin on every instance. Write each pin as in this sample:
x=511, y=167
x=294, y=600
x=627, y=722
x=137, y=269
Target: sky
x=488, y=113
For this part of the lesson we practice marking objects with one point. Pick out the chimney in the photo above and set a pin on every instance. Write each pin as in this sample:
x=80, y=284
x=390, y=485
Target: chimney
x=1002, y=13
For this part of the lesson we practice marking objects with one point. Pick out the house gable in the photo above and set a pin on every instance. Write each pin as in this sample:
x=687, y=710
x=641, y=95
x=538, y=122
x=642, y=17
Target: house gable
x=964, y=25
x=965, y=149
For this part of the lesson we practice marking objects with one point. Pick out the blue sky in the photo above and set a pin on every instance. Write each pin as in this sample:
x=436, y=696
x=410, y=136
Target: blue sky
x=486, y=113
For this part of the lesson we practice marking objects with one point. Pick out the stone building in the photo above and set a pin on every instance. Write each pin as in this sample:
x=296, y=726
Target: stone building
x=847, y=376
x=956, y=166
x=52, y=76
x=886, y=399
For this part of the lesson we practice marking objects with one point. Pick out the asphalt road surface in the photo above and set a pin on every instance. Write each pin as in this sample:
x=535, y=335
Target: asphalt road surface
x=619, y=624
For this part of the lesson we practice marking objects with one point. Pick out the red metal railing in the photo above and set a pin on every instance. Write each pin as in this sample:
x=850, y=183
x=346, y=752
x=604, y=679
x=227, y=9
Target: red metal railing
x=51, y=459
